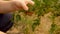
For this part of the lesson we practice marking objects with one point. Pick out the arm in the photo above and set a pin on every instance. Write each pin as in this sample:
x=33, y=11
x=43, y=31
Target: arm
x=6, y=6
x=2, y=32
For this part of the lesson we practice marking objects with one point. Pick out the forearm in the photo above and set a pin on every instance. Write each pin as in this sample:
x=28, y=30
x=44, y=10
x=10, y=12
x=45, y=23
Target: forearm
x=6, y=6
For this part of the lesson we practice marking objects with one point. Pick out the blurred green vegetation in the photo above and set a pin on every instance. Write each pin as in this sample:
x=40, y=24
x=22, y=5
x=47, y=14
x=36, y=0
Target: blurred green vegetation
x=40, y=8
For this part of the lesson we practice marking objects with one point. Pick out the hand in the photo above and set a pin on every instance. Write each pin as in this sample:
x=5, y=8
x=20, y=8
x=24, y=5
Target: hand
x=13, y=5
x=22, y=3
x=2, y=32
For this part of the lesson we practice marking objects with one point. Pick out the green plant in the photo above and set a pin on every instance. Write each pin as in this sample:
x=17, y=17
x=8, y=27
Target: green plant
x=40, y=8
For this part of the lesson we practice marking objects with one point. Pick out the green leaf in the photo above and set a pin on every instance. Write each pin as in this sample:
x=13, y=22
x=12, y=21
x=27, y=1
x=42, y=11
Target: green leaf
x=47, y=2
x=53, y=28
x=36, y=23
x=18, y=17
x=33, y=27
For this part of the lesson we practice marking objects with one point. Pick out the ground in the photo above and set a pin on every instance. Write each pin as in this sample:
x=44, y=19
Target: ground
x=43, y=28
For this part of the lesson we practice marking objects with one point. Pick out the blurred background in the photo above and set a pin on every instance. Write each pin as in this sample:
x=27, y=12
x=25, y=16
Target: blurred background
x=42, y=18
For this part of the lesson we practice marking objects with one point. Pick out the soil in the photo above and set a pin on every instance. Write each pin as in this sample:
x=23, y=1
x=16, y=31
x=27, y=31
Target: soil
x=43, y=28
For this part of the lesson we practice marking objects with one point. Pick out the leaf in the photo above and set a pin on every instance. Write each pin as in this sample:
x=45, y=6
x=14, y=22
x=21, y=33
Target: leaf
x=18, y=17
x=47, y=2
x=53, y=28
x=36, y=23
x=33, y=27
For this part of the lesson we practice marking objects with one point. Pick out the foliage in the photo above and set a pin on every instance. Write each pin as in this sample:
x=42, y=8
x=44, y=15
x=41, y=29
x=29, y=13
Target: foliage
x=40, y=8
x=53, y=28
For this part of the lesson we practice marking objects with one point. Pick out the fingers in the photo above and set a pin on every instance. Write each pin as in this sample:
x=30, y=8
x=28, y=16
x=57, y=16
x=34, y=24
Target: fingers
x=24, y=6
x=31, y=2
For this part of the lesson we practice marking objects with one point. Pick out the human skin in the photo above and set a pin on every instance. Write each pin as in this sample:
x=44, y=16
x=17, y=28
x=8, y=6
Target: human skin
x=2, y=32
x=13, y=5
